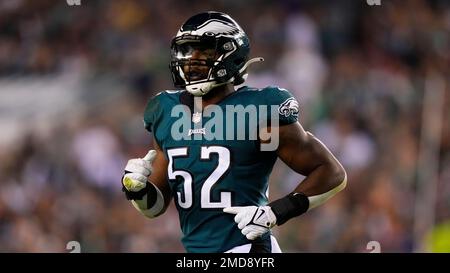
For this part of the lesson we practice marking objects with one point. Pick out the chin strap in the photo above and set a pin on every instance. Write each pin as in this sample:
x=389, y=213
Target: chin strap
x=201, y=92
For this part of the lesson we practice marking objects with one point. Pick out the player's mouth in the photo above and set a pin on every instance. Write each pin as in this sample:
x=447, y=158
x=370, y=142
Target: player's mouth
x=196, y=75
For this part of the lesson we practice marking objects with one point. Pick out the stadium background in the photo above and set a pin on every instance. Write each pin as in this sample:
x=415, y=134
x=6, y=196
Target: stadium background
x=372, y=81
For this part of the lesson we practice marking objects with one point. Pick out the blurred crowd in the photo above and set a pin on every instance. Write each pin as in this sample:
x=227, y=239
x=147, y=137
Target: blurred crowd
x=360, y=73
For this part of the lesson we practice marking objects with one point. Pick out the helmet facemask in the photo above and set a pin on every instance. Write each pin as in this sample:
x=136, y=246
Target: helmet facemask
x=198, y=63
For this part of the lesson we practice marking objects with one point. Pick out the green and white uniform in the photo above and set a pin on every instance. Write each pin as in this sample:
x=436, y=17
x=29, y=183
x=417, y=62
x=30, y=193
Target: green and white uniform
x=207, y=175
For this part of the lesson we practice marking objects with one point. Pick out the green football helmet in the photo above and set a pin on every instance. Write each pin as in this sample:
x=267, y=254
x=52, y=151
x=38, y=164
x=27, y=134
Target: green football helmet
x=209, y=50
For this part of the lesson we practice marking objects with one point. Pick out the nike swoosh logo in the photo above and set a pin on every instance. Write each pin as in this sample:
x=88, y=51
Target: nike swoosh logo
x=259, y=216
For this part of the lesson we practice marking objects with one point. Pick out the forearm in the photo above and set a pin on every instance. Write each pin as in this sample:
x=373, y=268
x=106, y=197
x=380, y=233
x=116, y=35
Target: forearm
x=325, y=176
x=318, y=192
x=323, y=183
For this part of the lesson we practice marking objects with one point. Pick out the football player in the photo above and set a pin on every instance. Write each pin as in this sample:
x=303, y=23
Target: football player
x=220, y=184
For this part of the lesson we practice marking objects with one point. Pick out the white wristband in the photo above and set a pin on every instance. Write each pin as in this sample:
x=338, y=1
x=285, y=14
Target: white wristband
x=157, y=208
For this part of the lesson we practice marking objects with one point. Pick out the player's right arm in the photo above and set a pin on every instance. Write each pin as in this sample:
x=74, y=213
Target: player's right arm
x=145, y=183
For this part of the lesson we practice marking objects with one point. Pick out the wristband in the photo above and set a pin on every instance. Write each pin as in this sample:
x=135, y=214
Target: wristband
x=290, y=206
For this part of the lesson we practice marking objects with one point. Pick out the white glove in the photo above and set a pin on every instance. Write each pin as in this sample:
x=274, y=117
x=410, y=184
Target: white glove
x=137, y=172
x=253, y=221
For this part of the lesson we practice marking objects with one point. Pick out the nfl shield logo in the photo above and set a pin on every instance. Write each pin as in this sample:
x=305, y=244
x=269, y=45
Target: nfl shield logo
x=196, y=117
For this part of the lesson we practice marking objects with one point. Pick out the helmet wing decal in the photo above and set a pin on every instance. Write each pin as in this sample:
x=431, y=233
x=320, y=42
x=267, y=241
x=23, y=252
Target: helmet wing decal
x=213, y=26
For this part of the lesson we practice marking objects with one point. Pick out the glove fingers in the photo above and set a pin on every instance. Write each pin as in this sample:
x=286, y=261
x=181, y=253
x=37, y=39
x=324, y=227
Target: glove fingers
x=252, y=236
x=134, y=181
x=232, y=210
x=256, y=232
x=137, y=177
x=246, y=230
x=139, y=162
x=241, y=224
x=246, y=217
x=261, y=230
x=239, y=217
x=138, y=169
x=242, y=219
x=150, y=156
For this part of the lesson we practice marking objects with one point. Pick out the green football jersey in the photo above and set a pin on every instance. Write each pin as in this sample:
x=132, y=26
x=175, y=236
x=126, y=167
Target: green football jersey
x=215, y=158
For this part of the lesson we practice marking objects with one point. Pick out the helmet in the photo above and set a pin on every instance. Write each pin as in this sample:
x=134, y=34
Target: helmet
x=224, y=48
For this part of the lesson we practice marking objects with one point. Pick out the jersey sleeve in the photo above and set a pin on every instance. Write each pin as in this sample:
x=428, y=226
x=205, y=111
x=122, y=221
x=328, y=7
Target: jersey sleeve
x=286, y=104
x=153, y=112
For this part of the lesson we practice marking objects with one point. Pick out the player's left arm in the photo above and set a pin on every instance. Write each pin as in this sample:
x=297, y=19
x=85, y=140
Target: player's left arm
x=307, y=155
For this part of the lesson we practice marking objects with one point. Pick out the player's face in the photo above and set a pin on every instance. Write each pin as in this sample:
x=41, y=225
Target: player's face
x=197, y=69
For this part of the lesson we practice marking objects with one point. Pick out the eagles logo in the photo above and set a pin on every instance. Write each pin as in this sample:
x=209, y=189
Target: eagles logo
x=288, y=107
